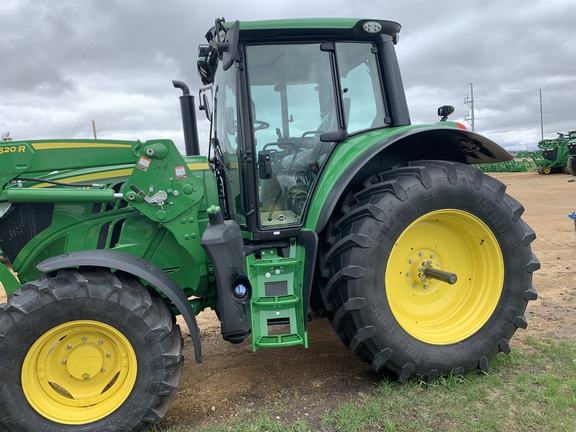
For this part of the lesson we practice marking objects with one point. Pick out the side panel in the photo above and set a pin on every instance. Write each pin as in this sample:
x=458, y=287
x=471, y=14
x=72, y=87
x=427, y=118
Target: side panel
x=385, y=148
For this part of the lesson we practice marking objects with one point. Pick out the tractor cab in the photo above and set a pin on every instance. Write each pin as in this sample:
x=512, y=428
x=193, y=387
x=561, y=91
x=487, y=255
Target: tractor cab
x=282, y=102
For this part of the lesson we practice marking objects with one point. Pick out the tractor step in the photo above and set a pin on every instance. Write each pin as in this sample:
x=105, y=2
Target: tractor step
x=276, y=307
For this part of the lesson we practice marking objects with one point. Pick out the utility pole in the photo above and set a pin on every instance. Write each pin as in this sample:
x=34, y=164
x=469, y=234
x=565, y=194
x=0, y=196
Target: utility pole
x=94, y=129
x=541, y=117
x=470, y=102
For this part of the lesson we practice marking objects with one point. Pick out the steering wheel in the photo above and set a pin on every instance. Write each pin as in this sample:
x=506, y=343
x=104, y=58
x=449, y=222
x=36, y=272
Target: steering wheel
x=260, y=125
x=232, y=126
x=282, y=146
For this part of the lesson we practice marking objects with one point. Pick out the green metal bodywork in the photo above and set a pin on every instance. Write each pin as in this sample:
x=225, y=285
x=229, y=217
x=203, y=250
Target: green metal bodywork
x=406, y=143
x=523, y=162
x=572, y=143
x=299, y=24
x=555, y=152
x=87, y=218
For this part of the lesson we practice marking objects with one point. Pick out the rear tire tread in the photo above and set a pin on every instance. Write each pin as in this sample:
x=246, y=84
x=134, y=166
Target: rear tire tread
x=344, y=270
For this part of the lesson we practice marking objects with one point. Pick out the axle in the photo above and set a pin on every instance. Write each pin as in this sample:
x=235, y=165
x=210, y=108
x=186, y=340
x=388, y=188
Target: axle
x=441, y=275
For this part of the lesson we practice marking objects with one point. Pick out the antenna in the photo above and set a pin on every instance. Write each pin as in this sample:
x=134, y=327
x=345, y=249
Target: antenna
x=541, y=116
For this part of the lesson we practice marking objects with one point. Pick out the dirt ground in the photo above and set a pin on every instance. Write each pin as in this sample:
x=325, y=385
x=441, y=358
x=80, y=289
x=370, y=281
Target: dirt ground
x=298, y=383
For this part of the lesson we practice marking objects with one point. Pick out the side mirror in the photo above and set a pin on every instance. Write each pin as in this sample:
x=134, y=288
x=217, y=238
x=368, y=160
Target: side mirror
x=444, y=111
x=206, y=63
x=230, y=46
x=204, y=104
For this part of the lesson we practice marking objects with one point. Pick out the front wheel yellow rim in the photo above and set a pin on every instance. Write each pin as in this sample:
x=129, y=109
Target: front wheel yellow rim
x=79, y=372
x=434, y=311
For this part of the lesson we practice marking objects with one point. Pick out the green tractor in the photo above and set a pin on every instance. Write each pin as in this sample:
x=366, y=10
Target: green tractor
x=571, y=144
x=555, y=155
x=317, y=198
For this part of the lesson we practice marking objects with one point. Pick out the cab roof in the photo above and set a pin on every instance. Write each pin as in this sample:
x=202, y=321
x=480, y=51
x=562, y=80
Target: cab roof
x=359, y=27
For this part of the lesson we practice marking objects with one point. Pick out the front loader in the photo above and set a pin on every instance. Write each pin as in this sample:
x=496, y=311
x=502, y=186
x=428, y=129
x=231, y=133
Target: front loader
x=318, y=198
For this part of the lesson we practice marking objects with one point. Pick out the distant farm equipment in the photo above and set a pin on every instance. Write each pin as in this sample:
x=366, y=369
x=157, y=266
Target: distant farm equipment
x=523, y=162
x=554, y=155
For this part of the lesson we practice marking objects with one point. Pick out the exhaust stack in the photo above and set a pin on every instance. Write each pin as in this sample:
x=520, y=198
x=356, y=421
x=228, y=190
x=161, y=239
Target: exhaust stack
x=188, y=108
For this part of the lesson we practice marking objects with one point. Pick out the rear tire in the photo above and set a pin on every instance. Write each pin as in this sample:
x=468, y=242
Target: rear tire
x=86, y=351
x=448, y=216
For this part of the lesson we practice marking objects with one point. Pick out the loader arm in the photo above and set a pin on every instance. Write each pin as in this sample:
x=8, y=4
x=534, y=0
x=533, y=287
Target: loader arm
x=34, y=159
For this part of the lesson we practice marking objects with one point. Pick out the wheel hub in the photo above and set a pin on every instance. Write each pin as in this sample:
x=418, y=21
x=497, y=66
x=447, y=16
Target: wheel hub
x=416, y=266
x=85, y=361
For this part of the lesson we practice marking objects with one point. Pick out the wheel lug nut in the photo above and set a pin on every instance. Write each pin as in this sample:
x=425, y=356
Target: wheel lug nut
x=100, y=342
x=69, y=347
x=423, y=280
x=420, y=253
x=414, y=284
x=425, y=286
x=84, y=338
x=432, y=256
x=408, y=274
x=64, y=361
x=410, y=261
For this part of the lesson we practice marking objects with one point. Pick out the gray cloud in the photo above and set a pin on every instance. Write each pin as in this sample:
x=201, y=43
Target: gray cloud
x=69, y=62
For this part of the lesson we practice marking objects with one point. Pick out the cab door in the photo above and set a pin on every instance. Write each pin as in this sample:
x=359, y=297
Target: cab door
x=227, y=142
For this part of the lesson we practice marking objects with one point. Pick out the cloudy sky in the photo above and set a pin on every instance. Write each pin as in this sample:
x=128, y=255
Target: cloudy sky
x=66, y=63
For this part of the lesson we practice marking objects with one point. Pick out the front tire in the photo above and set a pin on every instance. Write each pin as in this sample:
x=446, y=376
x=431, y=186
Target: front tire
x=85, y=351
x=443, y=215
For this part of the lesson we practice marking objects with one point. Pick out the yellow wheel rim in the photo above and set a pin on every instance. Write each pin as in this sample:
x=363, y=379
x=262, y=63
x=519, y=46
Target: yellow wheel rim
x=433, y=311
x=79, y=372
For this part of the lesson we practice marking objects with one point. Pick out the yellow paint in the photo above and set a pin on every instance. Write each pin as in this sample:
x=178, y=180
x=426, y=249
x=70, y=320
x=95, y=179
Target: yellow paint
x=199, y=166
x=125, y=172
x=79, y=372
x=433, y=311
x=90, y=177
x=71, y=145
x=11, y=149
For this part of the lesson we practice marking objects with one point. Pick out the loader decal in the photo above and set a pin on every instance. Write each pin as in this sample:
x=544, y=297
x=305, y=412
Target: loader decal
x=143, y=163
x=70, y=145
x=12, y=149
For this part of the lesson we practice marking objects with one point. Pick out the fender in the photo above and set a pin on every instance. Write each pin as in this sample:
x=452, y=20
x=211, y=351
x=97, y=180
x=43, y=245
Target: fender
x=138, y=267
x=393, y=146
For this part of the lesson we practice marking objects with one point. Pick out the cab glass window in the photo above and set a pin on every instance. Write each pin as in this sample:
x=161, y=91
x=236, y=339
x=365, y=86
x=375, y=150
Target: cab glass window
x=360, y=82
x=293, y=103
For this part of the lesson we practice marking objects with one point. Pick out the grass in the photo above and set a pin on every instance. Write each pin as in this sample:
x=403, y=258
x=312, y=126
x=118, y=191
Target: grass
x=534, y=390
